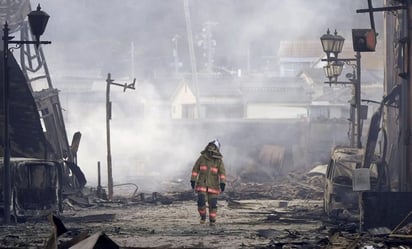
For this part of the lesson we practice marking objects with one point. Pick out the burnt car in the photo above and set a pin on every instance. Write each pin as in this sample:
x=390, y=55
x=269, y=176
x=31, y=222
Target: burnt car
x=36, y=187
x=338, y=191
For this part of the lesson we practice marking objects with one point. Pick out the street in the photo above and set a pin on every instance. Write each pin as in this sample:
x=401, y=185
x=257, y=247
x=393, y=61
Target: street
x=242, y=224
x=284, y=213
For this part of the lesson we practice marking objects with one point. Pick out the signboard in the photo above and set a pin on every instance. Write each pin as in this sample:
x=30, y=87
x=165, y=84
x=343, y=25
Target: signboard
x=361, y=179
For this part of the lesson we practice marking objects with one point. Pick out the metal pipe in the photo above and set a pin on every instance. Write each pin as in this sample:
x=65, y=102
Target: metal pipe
x=6, y=140
x=358, y=100
x=406, y=179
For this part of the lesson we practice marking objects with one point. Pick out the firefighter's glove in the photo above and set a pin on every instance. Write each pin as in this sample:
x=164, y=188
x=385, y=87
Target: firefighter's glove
x=222, y=186
x=192, y=183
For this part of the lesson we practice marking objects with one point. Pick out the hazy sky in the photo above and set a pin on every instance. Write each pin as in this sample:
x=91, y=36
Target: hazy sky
x=93, y=37
x=103, y=30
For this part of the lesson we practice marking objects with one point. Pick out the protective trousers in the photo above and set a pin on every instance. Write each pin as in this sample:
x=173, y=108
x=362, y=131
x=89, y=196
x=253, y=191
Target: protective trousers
x=211, y=200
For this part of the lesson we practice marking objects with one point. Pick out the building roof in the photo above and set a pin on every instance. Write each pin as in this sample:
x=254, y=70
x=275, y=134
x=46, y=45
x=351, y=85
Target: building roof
x=256, y=88
x=300, y=48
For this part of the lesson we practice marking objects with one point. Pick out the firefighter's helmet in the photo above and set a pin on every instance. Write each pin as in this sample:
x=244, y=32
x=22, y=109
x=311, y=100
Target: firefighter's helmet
x=216, y=143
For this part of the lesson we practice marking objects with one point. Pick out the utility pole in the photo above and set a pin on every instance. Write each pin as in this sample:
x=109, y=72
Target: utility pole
x=192, y=55
x=358, y=100
x=125, y=86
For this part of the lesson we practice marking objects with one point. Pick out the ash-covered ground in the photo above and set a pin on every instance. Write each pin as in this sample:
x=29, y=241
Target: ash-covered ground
x=284, y=213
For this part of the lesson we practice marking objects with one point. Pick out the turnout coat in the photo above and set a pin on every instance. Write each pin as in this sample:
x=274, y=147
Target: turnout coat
x=208, y=172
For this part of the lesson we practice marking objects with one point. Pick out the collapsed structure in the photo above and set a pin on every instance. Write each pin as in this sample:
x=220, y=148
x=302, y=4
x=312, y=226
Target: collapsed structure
x=43, y=165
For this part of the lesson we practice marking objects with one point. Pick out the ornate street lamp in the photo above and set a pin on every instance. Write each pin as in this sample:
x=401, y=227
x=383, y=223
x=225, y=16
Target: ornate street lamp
x=332, y=44
x=37, y=21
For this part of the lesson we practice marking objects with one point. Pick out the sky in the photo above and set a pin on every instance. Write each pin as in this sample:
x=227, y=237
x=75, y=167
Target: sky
x=93, y=37
x=103, y=30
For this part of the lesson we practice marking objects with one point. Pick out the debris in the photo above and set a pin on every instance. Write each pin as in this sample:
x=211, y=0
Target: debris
x=96, y=241
x=403, y=229
x=254, y=219
x=318, y=170
x=80, y=200
x=76, y=240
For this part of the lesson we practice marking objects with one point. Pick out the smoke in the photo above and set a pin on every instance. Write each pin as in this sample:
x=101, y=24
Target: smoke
x=145, y=151
x=101, y=31
x=94, y=37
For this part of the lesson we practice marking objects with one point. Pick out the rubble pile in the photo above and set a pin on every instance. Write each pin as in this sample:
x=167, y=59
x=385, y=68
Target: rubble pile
x=295, y=185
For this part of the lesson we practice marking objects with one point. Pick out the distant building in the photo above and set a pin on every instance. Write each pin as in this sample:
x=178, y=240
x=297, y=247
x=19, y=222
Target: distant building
x=250, y=97
x=297, y=55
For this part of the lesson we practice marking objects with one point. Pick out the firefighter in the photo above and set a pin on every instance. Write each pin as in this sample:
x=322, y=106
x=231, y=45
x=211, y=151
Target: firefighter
x=208, y=180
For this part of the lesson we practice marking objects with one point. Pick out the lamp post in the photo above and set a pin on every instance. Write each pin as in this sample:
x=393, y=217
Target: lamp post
x=332, y=46
x=125, y=86
x=37, y=20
